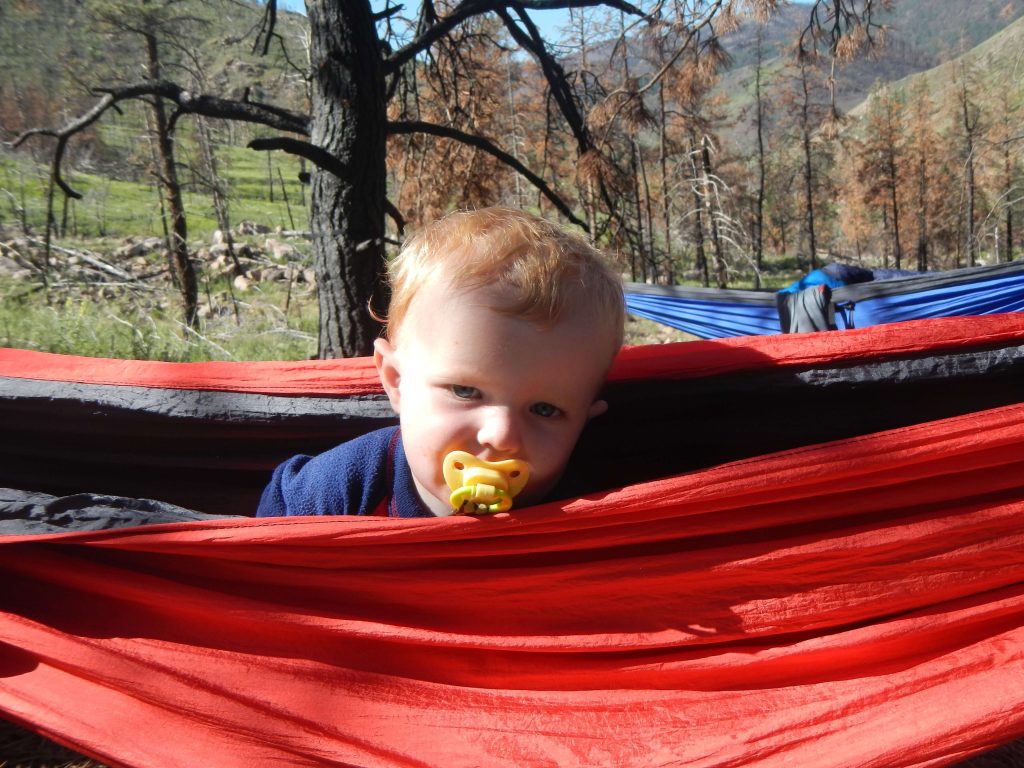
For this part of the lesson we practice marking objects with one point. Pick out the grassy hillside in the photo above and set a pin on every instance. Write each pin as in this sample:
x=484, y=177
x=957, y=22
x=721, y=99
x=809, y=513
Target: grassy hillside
x=946, y=28
x=112, y=207
x=919, y=35
x=995, y=65
x=994, y=70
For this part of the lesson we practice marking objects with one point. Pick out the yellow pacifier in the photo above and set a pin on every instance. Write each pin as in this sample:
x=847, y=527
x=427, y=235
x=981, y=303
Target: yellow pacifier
x=483, y=487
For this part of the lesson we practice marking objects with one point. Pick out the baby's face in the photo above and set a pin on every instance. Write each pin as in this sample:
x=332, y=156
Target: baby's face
x=464, y=377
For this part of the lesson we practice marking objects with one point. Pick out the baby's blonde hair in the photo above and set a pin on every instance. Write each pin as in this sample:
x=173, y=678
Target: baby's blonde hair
x=542, y=266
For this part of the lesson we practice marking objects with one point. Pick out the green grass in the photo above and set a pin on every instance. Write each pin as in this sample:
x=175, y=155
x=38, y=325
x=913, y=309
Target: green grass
x=130, y=204
x=144, y=323
x=247, y=174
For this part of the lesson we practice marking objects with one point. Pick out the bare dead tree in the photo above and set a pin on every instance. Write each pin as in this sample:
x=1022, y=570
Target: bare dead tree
x=806, y=127
x=759, y=126
x=970, y=117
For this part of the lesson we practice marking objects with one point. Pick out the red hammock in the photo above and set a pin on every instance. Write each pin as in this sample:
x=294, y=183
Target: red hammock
x=851, y=603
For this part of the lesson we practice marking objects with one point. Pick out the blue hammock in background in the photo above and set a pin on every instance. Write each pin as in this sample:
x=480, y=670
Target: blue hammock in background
x=957, y=293
x=835, y=297
x=707, y=313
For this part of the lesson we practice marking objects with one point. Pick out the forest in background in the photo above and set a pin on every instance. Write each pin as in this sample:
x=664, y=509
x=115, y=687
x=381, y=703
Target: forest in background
x=733, y=163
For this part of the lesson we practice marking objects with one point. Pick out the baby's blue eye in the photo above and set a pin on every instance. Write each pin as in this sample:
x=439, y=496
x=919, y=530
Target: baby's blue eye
x=465, y=393
x=545, y=410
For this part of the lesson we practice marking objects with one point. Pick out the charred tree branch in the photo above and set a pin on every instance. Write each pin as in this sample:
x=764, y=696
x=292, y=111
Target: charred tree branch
x=557, y=81
x=395, y=215
x=186, y=102
x=266, y=30
x=840, y=19
x=434, y=29
x=320, y=157
x=387, y=13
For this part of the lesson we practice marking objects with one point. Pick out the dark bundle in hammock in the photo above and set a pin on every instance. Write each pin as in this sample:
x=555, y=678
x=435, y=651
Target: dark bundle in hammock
x=800, y=550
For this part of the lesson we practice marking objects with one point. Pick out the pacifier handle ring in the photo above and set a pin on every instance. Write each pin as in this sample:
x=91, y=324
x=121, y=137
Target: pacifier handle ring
x=466, y=493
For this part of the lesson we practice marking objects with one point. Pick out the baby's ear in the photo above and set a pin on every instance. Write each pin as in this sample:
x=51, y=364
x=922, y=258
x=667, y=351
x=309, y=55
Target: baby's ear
x=597, y=408
x=386, y=360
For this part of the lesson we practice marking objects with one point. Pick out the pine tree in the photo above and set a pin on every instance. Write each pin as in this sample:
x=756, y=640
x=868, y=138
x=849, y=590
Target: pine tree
x=881, y=168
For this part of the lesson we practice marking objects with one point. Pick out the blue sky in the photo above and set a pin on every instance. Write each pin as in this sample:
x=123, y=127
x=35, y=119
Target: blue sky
x=548, y=21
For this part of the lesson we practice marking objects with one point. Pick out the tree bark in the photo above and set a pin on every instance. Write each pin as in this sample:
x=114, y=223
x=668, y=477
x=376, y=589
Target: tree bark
x=178, y=240
x=758, y=232
x=216, y=187
x=922, y=215
x=1008, y=190
x=921, y=160
x=970, y=124
x=1009, y=233
x=805, y=129
x=348, y=122
x=894, y=203
x=701, y=259
x=666, y=203
x=721, y=270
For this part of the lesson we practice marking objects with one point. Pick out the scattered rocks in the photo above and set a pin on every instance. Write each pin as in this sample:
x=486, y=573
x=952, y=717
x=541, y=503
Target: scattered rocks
x=290, y=273
x=217, y=265
x=251, y=228
x=16, y=259
x=137, y=246
x=133, y=259
x=279, y=251
x=10, y=267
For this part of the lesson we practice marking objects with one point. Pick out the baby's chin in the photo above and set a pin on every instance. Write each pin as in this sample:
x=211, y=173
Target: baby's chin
x=438, y=502
x=440, y=509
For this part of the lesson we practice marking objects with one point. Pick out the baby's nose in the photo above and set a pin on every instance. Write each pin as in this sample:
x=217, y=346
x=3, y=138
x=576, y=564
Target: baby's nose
x=499, y=431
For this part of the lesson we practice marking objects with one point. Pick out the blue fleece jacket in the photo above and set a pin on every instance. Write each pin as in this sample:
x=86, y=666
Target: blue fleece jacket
x=365, y=476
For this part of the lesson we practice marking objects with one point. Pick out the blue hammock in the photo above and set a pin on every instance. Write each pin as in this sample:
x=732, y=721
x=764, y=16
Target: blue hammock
x=713, y=314
x=957, y=293
x=705, y=312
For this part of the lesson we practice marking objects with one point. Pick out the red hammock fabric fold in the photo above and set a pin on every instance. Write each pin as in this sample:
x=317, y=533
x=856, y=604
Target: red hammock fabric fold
x=684, y=360
x=855, y=603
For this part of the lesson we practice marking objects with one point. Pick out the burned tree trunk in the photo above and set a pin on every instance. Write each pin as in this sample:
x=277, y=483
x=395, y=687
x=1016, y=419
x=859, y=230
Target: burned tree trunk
x=808, y=169
x=168, y=174
x=349, y=123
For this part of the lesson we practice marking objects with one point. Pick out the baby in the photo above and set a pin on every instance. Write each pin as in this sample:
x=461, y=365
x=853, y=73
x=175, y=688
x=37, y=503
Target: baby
x=500, y=332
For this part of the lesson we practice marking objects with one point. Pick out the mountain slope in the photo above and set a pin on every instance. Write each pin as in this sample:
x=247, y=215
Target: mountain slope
x=995, y=66
x=919, y=35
